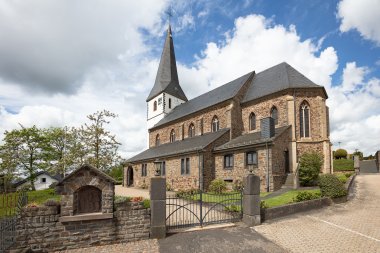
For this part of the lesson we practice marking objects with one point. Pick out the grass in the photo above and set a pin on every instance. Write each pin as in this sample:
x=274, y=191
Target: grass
x=343, y=165
x=285, y=198
x=215, y=198
x=34, y=197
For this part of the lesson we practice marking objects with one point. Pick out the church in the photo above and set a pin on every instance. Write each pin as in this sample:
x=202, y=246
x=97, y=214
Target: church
x=259, y=123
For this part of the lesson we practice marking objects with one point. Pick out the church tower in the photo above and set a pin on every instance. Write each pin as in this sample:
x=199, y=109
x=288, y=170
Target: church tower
x=166, y=93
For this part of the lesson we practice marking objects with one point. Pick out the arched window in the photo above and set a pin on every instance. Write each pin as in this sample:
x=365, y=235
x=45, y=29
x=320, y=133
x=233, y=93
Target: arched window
x=172, y=136
x=252, y=121
x=170, y=103
x=274, y=114
x=305, y=120
x=215, y=124
x=155, y=106
x=191, y=130
x=157, y=140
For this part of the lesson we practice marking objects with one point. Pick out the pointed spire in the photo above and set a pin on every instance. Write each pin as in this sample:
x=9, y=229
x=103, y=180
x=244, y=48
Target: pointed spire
x=167, y=77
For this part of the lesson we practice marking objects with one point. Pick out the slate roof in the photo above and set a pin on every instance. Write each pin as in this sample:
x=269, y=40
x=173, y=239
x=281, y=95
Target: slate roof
x=250, y=139
x=167, y=77
x=213, y=97
x=56, y=177
x=89, y=167
x=188, y=145
x=277, y=78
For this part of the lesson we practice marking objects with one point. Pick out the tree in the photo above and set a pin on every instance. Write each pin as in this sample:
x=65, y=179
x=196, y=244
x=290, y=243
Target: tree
x=358, y=153
x=8, y=166
x=310, y=165
x=101, y=146
x=23, y=150
x=340, y=153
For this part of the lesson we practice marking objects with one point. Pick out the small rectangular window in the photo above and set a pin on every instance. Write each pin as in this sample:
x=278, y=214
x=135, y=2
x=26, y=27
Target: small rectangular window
x=43, y=180
x=163, y=171
x=228, y=161
x=185, y=166
x=144, y=170
x=251, y=158
x=159, y=101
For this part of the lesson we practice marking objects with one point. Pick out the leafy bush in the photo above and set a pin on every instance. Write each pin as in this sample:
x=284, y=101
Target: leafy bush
x=137, y=199
x=340, y=153
x=186, y=193
x=348, y=174
x=232, y=208
x=310, y=165
x=237, y=186
x=218, y=186
x=168, y=187
x=146, y=203
x=342, y=178
x=263, y=205
x=306, y=195
x=121, y=199
x=331, y=186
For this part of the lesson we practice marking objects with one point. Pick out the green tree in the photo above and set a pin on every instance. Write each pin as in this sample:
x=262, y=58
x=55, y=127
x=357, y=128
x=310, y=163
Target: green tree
x=8, y=166
x=24, y=151
x=310, y=165
x=54, y=149
x=101, y=146
x=340, y=153
x=358, y=153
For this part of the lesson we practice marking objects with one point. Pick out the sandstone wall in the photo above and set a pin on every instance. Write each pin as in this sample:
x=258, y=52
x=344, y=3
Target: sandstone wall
x=38, y=228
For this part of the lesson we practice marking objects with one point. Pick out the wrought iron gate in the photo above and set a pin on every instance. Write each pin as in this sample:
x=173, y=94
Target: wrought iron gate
x=11, y=205
x=199, y=209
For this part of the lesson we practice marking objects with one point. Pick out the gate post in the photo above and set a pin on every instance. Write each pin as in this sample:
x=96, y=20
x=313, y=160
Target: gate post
x=157, y=207
x=251, y=200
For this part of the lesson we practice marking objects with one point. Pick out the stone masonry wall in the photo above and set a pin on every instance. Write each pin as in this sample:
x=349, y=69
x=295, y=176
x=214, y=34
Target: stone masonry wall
x=240, y=169
x=85, y=177
x=222, y=111
x=262, y=109
x=38, y=228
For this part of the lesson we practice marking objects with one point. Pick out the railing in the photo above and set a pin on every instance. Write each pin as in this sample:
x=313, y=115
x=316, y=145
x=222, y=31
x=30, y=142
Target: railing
x=200, y=208
x=10, y=207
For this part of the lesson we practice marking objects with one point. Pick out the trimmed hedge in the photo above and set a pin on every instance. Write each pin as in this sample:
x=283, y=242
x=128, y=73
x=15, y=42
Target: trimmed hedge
x=331, y=186
x=306, y=195
x=310, y=165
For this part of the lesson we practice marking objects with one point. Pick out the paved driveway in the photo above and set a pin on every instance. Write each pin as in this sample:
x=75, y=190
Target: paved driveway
x=131, y=192
x=350, y=227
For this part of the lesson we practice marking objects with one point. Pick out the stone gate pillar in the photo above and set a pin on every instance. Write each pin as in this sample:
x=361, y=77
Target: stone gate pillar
x=251, y=200
x=157, y=207
x=356, y=164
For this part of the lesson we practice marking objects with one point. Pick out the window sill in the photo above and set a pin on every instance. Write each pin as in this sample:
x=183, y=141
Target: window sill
x=228, y=168
x=87, y=216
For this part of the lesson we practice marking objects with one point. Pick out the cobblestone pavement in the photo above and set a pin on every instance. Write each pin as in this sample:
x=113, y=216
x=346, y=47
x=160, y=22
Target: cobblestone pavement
x=145, y=246
x=353, y=226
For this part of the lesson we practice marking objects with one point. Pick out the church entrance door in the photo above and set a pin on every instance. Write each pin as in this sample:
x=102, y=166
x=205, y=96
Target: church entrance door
x=130, y=176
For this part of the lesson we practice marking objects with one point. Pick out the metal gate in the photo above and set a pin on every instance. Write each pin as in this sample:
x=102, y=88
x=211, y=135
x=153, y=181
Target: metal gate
x=198, y=208
x=11, y=205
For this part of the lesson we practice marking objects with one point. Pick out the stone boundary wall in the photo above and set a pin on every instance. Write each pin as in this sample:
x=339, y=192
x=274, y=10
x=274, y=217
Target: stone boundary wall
x=39, y=228
x=281, y=211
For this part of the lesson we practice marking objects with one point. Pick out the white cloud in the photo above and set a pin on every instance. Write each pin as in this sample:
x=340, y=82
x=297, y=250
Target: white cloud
x=256, y=43
x=362, y=16
x=355, y=110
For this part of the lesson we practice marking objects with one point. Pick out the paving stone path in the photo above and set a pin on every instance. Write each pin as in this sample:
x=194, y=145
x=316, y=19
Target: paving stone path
x=350, y=227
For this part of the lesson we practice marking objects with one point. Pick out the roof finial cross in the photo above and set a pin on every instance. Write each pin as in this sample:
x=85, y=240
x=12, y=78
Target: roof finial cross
x=169, y=12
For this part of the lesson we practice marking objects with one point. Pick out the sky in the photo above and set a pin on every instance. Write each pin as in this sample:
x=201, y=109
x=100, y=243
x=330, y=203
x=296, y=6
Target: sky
x=61, y=60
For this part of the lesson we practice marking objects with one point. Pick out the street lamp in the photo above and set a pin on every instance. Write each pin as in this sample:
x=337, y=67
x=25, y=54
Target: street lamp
x=158, y=165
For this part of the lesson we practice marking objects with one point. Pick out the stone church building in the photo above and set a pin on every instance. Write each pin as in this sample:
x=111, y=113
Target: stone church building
x=261, y=122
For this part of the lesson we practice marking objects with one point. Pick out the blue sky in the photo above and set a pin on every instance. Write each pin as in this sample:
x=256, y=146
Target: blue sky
x=62, y=60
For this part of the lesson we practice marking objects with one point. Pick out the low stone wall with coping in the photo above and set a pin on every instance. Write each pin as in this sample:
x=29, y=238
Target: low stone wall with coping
x=39, y=228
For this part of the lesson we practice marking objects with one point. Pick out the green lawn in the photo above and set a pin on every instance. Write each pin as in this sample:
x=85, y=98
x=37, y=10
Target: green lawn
x=215, y=198
x=343, y=165
x=285, y=198
x=34, y=197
